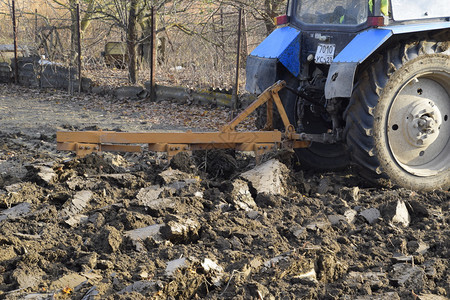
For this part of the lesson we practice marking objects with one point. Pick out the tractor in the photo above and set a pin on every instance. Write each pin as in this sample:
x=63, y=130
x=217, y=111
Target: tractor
x=368, y=82
x=361, y=82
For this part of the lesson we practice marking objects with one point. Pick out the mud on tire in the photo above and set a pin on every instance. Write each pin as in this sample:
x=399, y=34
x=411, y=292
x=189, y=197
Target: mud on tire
x=397, y=122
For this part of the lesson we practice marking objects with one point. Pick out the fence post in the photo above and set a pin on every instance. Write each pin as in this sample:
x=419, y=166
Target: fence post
x=16, y=63
x=36, y=31
x=153, y=57
x=79, y=48
x=244, y=37
x=238, y=64
x=222, y=34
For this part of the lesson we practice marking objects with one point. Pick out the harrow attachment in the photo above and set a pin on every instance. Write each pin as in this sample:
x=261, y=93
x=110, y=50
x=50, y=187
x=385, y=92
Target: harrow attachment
x=260, y=142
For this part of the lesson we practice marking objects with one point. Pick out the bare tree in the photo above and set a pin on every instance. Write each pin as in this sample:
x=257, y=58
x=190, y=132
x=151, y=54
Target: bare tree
x=132, y=40
x=71, y=7
x=265, y=10
x=271, y=10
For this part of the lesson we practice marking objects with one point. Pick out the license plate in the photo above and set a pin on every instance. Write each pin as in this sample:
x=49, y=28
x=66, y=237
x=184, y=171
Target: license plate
x=325, y=54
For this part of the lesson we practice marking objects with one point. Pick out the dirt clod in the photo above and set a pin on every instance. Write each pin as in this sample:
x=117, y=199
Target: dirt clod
x=212, y=226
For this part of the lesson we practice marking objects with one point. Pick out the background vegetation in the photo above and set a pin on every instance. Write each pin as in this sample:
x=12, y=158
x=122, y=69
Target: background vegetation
x=196, y=38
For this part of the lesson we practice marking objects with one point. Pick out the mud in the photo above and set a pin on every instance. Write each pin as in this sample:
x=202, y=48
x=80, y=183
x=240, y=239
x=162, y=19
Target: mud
x=134, y=226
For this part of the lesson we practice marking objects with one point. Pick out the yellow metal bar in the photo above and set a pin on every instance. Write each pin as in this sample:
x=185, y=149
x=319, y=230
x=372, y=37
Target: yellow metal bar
x=301, y=144
x=263, y=98
x=71, y=146
x=121, y=148
x=281, y=110
x=66, y=146
x=194, y=147
x=101, y=137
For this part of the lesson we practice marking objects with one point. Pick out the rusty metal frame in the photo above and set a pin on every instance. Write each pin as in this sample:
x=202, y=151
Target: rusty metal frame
x=260, y=142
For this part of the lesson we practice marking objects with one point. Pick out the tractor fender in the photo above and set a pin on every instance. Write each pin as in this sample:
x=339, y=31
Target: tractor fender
x=343, y=68
x=281, y=46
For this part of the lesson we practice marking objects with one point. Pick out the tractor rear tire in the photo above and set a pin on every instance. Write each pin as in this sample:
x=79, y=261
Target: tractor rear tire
x=397, y=121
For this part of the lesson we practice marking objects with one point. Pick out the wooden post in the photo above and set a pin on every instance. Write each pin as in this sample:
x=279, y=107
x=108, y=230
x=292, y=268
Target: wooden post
x=153, y=57
x=238, y=64
x=216, y=54
x=36, y=33
x=16, y=62
x=79, y=48
x=222, y=35
x=132, y=40
x=245, y=51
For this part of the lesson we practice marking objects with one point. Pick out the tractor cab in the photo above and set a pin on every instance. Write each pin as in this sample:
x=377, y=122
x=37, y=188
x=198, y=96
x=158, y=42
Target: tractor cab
x=323, y=12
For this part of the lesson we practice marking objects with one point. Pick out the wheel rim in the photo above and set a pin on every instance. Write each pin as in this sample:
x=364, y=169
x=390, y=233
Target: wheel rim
x=418, y=125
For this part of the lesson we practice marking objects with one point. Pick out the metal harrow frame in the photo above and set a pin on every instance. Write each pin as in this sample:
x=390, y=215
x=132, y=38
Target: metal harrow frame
x=260, y=142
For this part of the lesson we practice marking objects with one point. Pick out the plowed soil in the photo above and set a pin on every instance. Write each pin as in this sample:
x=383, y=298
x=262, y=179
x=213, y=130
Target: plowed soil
x=73, y=228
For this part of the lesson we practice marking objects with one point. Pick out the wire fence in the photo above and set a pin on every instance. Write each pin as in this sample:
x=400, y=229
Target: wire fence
x=196, y=47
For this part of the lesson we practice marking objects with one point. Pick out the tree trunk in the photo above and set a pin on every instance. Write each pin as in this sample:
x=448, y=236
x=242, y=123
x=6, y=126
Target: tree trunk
x=86, y=21
x=131, y=41
x=73, y=31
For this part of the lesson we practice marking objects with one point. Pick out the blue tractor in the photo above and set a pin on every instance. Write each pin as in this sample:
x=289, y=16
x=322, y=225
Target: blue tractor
x=368, y=82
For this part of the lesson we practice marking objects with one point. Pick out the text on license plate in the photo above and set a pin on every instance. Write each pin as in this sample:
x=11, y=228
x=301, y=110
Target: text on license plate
x=325, y=54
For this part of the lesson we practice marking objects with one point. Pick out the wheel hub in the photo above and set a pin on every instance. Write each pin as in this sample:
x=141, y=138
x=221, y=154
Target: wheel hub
x=418, y=125
x=423, y=123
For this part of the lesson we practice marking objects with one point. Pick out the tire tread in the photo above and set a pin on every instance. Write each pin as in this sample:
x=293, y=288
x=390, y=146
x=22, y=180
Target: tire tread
x=359, y=115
